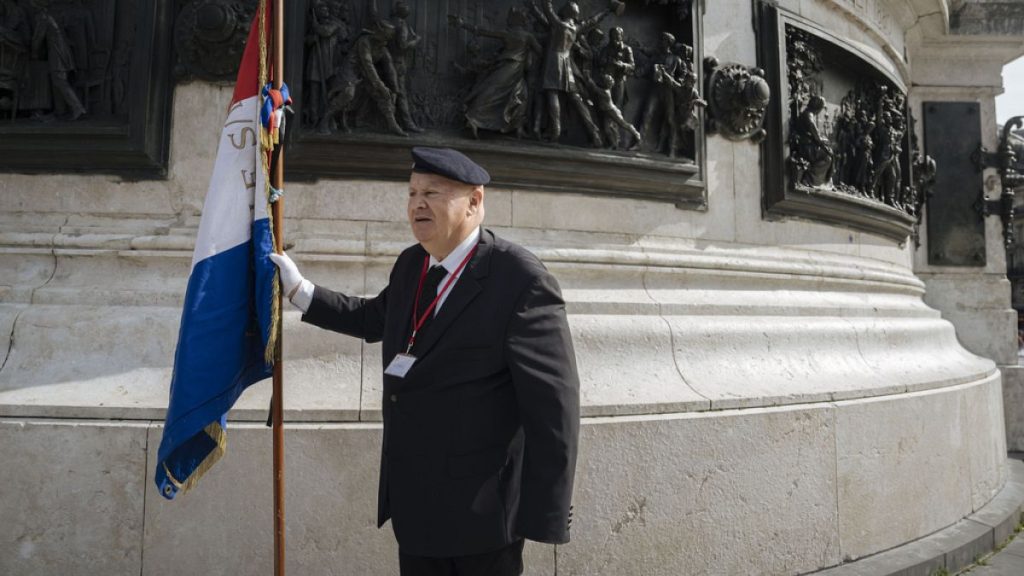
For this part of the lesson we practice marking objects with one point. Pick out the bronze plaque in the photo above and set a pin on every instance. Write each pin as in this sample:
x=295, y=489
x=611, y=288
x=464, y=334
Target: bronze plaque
x=590, y=96
x=839, y=145
x=84, y=86
x=956, y=230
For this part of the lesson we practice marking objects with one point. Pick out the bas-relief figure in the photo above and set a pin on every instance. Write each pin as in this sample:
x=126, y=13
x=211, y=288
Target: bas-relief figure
x=500, y=97
x=50, y=44
x=616, y=60
x=672, y=101
x=327, y=32
x=540, y=72
x=869, y=132
x=858, y=149
x=62, y=60
x=559, y=76
x=811, y=154
x=610, y=114
x=401, y=47
x=374, y=68
x=367, y=72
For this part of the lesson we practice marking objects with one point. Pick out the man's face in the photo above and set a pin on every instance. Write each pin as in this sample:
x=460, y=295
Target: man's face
x=442, y=212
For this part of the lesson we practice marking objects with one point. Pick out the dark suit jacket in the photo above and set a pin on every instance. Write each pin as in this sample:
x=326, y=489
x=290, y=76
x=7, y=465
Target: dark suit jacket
x=480, y=436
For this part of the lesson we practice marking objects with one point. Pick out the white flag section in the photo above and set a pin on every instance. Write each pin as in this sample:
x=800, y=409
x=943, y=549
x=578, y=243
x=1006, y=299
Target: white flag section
x=227, y=317
x=235, y=197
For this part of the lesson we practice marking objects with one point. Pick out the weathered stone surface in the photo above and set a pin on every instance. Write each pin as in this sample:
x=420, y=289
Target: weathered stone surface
x=225, y=525
x=89, y=356
x=604, y=289
x=607, y=346
x=952, y=546
x=729, y=43
x=118, y=362
x=989, y=333
x=775, y=468
x=618, y=215
x=72, y=498
x=1013, y=406
x=24, y=271
x=979, y=306
x=888, y=450
x=986, y=451
x=786, y=360
x=986, y=291
x=8, y=316
x=719, y=222
x=988, y=17
x=977, y=542
x=1003, y=512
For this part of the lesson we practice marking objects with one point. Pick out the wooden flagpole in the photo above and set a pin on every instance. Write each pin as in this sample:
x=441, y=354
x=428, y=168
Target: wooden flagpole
x=277, y=412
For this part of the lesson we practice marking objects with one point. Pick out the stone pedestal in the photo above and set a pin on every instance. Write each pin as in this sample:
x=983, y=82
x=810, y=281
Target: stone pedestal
x=758, y=397
x=975, y=299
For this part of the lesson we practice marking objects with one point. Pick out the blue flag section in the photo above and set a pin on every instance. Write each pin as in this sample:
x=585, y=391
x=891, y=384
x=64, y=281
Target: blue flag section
x=228, y=320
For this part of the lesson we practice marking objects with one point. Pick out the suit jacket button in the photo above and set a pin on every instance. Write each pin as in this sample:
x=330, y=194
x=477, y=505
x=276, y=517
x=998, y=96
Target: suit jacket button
x=394, y=397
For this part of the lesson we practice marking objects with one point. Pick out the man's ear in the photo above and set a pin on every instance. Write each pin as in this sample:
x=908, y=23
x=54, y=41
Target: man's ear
x=476, y=199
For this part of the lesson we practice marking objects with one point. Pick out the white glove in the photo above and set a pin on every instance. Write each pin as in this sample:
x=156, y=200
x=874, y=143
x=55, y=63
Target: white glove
x=290, y=276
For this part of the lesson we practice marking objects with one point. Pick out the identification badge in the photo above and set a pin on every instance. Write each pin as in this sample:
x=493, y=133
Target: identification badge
x=400, y=365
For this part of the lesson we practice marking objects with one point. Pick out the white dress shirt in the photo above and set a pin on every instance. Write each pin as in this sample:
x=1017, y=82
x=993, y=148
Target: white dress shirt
x=304, y=294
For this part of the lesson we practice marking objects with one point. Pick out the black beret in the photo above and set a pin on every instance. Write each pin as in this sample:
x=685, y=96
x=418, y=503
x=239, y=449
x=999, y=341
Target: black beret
x=449, y=163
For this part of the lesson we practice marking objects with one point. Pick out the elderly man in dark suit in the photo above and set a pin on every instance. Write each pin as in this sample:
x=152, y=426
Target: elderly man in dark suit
x=481, y=396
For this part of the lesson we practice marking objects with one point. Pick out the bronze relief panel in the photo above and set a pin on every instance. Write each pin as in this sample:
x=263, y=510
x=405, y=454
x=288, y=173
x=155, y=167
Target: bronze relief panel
x=84, y=86
x=839, y=148
x=588, y=96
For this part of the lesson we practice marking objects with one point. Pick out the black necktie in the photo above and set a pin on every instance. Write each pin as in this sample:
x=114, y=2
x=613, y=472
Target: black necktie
x=430, y=284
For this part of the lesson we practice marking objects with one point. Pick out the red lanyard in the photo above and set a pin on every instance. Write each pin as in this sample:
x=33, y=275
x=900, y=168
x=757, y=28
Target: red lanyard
x=417, y=324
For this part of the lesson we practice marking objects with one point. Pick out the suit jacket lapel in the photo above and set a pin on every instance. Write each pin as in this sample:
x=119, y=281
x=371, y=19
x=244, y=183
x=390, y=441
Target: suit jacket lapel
x=462, y=293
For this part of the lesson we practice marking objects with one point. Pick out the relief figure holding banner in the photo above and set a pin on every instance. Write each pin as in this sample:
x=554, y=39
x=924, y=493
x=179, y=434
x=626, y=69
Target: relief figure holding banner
x=559, y=76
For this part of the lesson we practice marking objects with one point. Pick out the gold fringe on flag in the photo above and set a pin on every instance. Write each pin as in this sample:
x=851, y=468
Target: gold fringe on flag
x=216, y=433
x=267, y=144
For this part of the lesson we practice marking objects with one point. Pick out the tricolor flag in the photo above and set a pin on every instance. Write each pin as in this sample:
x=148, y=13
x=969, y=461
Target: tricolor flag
x=228, y=322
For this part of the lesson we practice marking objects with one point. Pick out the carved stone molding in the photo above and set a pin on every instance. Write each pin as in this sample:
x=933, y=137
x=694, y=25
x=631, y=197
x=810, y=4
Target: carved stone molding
x=838, y=147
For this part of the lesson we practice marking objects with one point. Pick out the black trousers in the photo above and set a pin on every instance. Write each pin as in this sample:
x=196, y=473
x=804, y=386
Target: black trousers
x=507, y=561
